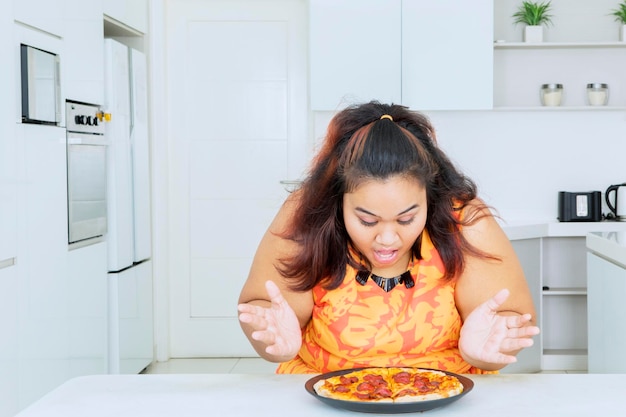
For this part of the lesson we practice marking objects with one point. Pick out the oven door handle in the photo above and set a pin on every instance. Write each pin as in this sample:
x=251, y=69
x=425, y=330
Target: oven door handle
x=99, y=141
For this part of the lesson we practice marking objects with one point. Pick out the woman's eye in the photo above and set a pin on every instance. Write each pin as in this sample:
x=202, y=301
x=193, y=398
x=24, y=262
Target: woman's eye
x=406, y=222
x=367, y=224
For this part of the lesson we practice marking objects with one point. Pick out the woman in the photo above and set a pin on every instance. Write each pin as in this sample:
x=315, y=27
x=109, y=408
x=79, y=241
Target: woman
x=385, y=257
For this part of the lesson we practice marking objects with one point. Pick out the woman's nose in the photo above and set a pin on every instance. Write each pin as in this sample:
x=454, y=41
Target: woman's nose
x=386, y=236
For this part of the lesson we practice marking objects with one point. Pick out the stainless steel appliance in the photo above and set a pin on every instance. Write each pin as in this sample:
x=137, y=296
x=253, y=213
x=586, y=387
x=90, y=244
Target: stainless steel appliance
x=86, y=172
x=41, y=97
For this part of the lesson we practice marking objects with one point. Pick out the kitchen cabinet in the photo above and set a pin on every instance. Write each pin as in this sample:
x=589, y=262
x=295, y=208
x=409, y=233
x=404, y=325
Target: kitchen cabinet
x=606, y=281
x=45, y=15
x=9, y=376
x=86, y=321
x=130, y=332
x=529, y=253
x=8, y=150
x=553, y=256
x=83, y=60
x=133, y=14
x=355, y=52
x=42, y=254
x=564, y=303
x=52, y=300
x=425, y=56
x=61, y=292
x=73, y=33
x=581, y=47
x=447, y=58
x=556, y=273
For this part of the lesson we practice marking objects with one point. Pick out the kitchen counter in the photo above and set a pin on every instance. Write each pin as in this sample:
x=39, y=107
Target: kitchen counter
x=608, y=245
x=530, y=230
x=257, y=395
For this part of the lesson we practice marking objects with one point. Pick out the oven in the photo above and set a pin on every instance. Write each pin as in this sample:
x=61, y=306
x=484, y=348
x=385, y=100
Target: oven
x=86, y=173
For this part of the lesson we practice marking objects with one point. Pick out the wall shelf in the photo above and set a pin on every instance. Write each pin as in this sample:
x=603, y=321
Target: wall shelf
x=559, y=108
x=557, y=45
x=520, y=69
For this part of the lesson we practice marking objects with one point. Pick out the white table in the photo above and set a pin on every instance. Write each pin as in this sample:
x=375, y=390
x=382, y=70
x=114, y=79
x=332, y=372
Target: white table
x=257, y=395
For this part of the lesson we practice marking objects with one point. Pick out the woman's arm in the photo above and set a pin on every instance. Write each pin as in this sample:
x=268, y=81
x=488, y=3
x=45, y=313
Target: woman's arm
x=265, y=318
x=484, y=278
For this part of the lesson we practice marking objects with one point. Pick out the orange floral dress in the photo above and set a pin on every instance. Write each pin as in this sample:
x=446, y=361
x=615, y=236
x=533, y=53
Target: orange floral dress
x=358, y=325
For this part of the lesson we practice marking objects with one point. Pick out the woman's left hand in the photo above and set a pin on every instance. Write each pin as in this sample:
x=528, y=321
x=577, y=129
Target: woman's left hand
x=489, y=338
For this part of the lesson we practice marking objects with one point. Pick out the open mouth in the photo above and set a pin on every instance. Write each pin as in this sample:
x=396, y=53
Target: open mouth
x=385, y=256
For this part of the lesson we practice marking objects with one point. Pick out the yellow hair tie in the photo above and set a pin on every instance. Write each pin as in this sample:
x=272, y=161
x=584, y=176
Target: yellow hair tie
x=386, y=116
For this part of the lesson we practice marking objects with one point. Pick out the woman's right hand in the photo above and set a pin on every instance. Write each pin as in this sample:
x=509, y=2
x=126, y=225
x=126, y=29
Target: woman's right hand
x=275, y=326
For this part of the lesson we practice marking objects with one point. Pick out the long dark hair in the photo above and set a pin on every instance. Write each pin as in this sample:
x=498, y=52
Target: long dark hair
x=374, y=141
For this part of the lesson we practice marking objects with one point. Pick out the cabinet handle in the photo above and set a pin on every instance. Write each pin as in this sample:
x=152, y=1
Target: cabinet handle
x=7, y=263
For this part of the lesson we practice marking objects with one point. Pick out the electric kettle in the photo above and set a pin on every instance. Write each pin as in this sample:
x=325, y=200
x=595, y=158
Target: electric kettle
x=618, y=206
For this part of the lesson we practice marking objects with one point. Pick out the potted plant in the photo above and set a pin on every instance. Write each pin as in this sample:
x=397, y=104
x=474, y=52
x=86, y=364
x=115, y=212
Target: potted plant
x=620, y=16
x=534, y=15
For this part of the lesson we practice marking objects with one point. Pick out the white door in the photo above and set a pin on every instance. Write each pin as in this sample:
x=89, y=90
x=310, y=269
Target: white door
x=236, y=127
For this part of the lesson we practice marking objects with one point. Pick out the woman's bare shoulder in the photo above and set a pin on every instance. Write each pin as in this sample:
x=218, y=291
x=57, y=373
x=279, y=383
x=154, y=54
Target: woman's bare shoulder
x=286, y=212
x=483, y=277
x=274, y=246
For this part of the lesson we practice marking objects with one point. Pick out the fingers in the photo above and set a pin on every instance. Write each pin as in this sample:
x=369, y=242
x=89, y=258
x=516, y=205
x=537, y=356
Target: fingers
x=497, y=300
x=519, y=334
x=261, y=318
x=276, y=297
x=503, y=359
x=251, y=314
x=518, y=326
x=272, y=289
x=254, y=314
x=513, y=345
x=522, y=332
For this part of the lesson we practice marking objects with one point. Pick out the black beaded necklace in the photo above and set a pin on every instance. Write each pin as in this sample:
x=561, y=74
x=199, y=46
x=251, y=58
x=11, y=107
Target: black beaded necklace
x=387, y=284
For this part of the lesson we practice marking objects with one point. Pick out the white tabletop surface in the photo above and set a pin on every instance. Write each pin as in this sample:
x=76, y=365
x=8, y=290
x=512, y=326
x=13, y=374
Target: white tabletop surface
x=259, y=395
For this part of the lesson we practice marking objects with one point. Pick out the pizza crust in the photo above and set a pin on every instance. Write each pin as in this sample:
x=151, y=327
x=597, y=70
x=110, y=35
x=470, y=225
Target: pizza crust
x=448, y=385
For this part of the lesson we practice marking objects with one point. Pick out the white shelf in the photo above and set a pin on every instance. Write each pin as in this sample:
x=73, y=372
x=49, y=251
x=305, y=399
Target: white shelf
x=557, y=45
x=565, y=291
x=564, y=359
x=560, y=108
x=521, y=68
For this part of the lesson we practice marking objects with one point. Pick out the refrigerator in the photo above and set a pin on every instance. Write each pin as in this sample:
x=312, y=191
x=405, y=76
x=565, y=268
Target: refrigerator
x=129, y=278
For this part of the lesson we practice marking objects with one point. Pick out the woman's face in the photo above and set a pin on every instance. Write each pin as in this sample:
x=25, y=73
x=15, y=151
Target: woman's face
x=383, y=219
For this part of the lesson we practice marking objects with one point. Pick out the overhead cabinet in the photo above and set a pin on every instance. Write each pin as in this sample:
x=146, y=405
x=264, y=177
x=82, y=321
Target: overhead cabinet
x=425, y=55
x=355, y=52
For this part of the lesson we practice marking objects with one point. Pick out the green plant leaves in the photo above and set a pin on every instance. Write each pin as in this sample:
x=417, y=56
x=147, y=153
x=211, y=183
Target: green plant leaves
x=620, y=13
x=533, y=13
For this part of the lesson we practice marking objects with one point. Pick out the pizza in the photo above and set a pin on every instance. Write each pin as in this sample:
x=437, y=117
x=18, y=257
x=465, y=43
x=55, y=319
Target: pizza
x=392, y=385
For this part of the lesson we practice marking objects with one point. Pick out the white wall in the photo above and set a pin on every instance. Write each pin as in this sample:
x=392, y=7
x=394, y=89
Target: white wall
x=521, y=159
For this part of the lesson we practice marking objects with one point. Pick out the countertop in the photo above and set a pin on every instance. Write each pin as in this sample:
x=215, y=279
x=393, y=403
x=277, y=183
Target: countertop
x=268, y=395
x=536, y=229
x=608, y=245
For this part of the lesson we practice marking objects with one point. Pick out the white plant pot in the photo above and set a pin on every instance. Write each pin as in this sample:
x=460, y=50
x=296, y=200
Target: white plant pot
x=622, y=33
x=533, y=34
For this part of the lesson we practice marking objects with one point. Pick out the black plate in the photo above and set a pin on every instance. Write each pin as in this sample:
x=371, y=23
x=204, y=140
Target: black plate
x=386, y=408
